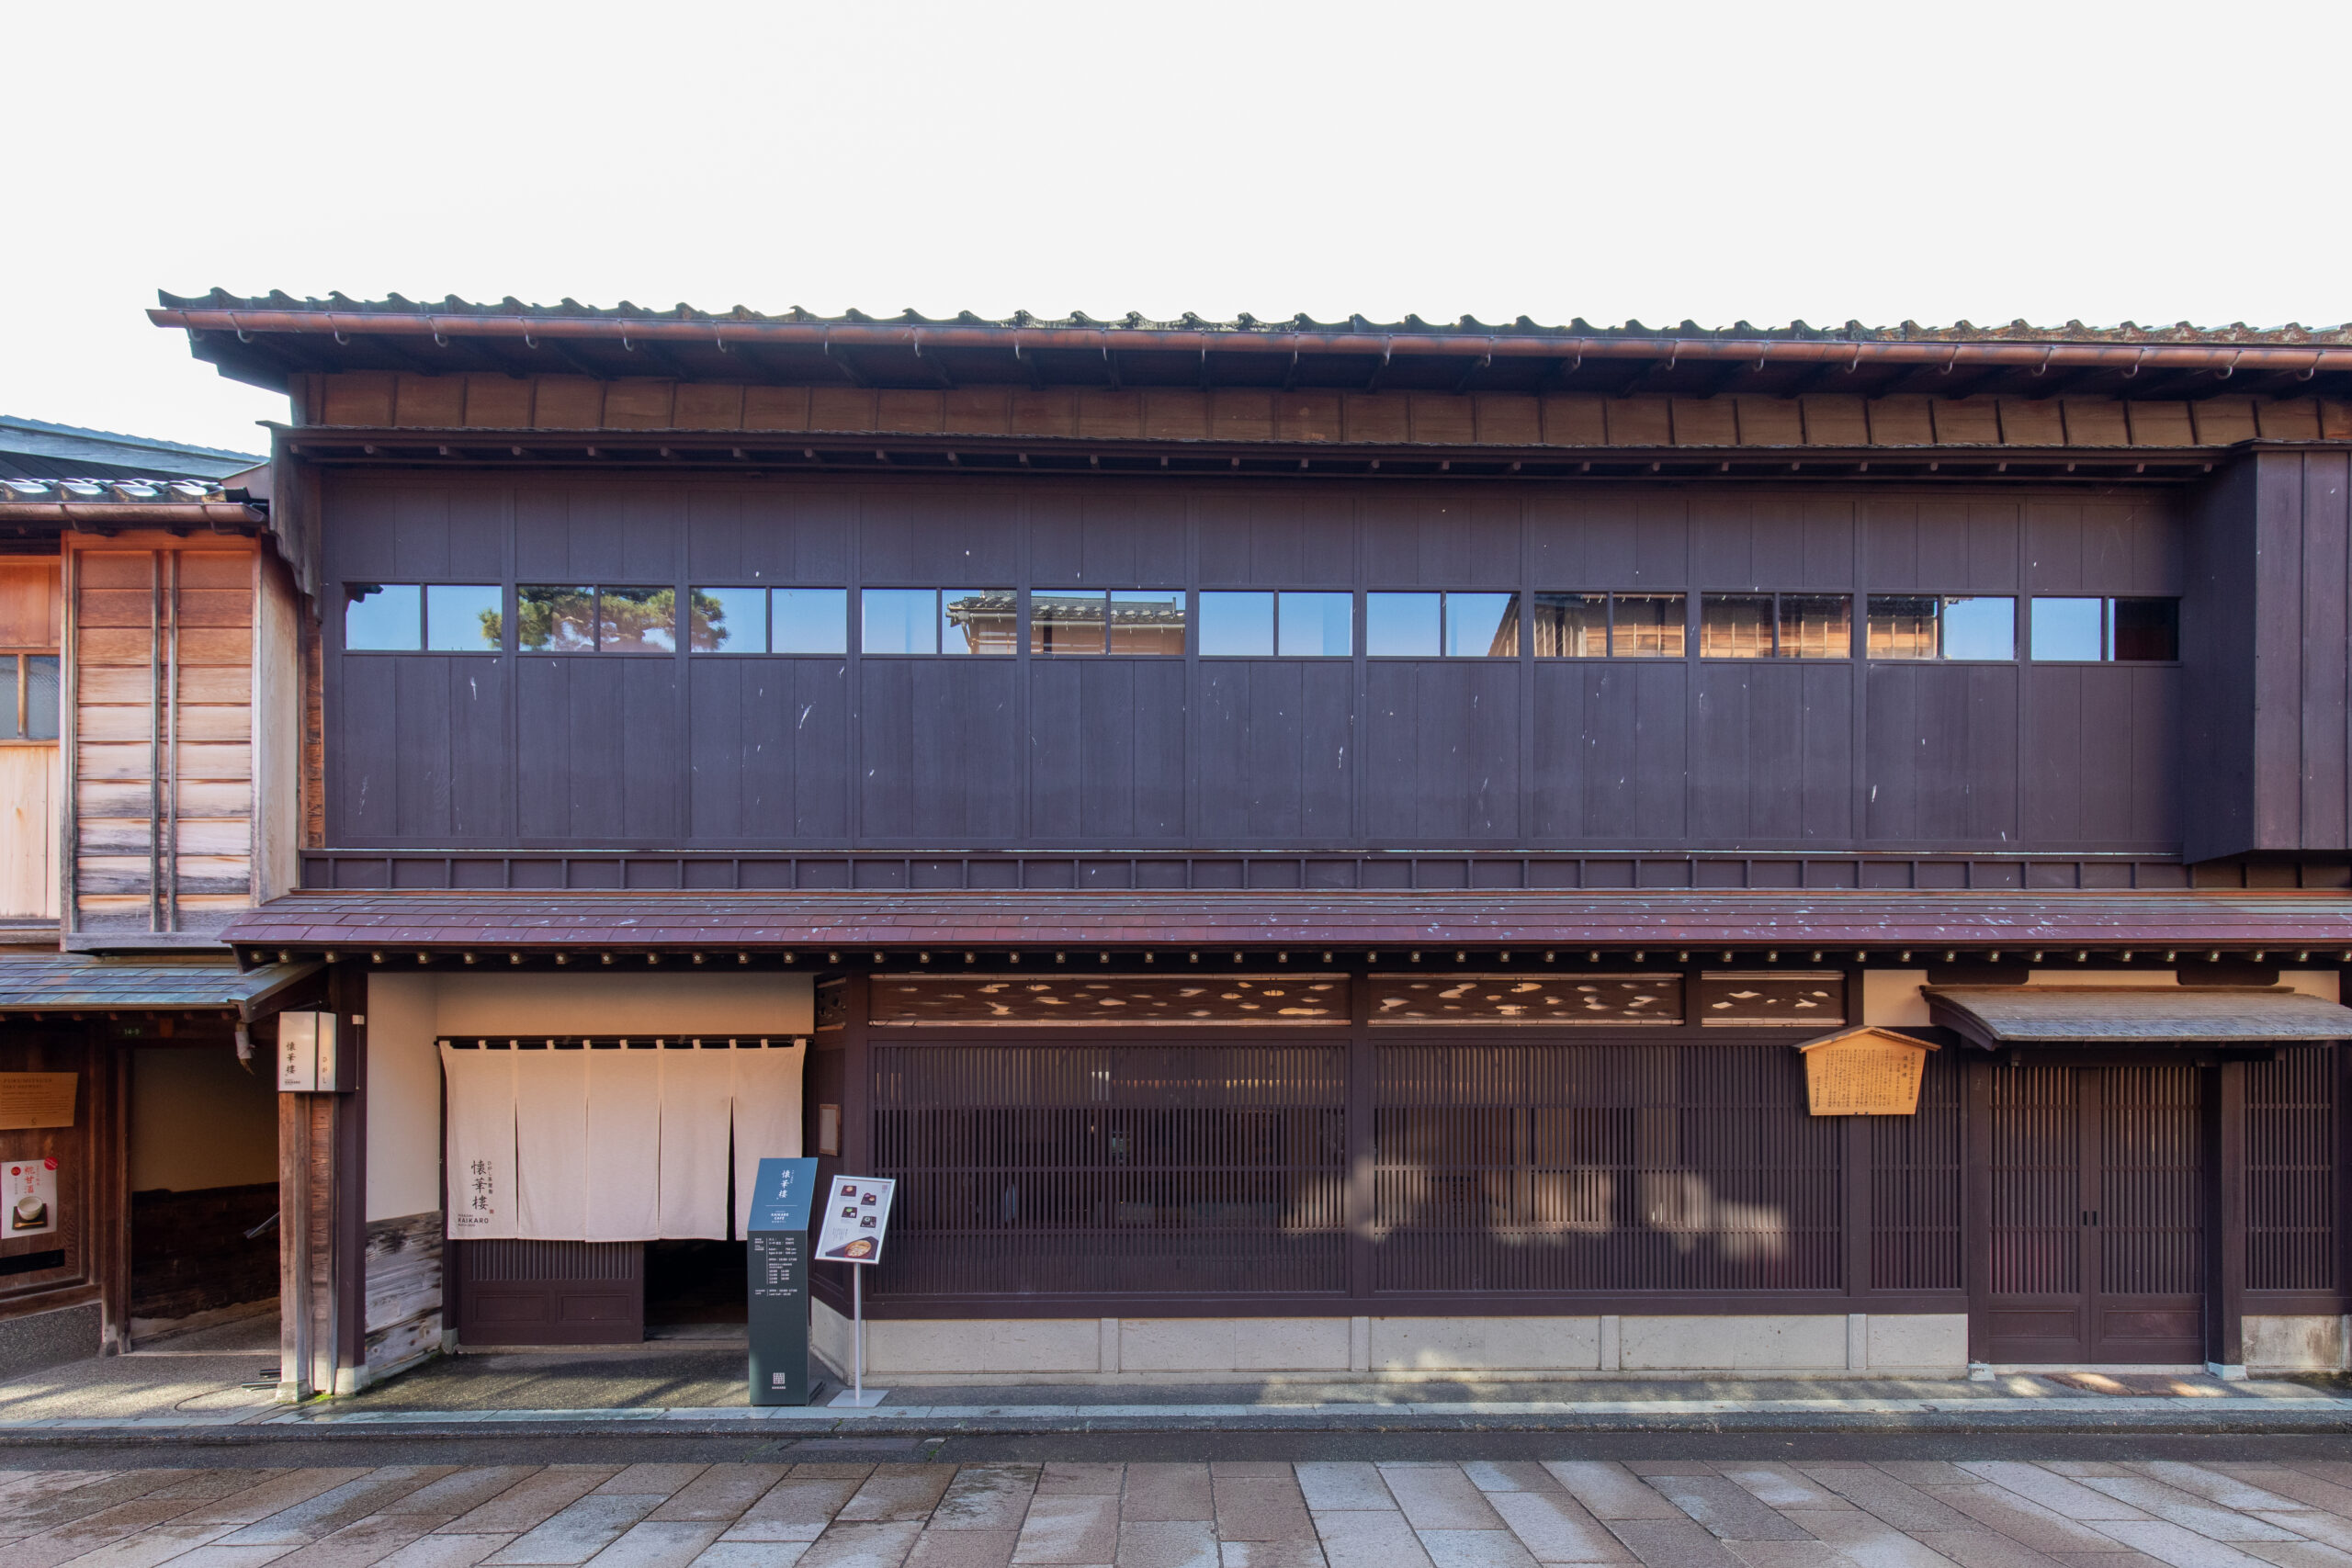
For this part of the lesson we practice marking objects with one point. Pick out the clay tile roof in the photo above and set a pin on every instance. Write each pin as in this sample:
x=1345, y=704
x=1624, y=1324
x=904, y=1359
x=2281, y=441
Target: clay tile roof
x=266, y=338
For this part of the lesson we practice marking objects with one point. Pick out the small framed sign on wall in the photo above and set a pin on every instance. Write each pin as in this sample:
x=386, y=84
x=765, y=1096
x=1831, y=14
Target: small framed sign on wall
x=37, y=1100
x=828, y=1128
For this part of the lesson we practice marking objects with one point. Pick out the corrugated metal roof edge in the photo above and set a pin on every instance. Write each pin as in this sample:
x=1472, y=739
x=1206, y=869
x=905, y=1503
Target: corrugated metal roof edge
x=2293, y=334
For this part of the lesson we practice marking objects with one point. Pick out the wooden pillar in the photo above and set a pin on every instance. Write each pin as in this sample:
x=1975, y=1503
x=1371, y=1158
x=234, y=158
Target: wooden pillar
x=107, y=1163
x=1363, y=1177
x=323, y=1206
x=2224, y=1117
x=1976, y=1196
x=294, y=1236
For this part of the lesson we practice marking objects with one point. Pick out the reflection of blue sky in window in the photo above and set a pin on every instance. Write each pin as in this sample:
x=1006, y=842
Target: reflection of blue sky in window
x=1238, y=624
x=898, y=620
x=2066, y=629
x=382, y=615
x=1980, y=628
x=730, y=620
x=810, y=620
x=1318, y=626
x=1400, y=625
x=464, y=617
x=1474, y=626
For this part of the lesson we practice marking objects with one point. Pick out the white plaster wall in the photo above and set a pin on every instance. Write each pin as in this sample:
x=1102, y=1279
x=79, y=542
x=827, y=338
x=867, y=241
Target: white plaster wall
x=409, y=1014
x=199, y=1120
x=1891, y=997
x=2327, y=985
x=672, y=1004
x=2138, y=978
x=403, y=1098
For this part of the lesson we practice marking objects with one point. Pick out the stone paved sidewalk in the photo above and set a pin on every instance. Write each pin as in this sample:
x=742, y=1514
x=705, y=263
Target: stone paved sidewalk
x=1925, y=1514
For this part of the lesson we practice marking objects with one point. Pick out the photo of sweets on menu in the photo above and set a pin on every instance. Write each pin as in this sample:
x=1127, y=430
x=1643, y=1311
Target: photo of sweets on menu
x=853, y=1230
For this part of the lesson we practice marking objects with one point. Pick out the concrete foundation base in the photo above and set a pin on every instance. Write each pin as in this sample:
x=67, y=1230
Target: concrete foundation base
x=939, y=1352
x=48, y=1338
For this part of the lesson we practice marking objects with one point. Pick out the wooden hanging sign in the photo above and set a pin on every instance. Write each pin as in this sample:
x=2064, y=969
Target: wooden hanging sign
x=37, y=1099
x=1864, y=1072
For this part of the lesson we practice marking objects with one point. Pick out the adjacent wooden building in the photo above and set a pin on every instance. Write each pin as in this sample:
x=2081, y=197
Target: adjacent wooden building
x=150, y=775
x=1314, y=849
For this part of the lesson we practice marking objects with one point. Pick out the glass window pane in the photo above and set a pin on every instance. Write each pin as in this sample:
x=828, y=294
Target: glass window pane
x=1400, y=625
x=1647, y=626
x=1980, y=628
x=1318, y=626
x=979, y=620
x=555, y=620
x=1903, y=626
x=728, y=620
x=809, y=620
x=636, y=620
x=1065, y=623
x=1735, y=625
x=1571, y=625
x=1816, y=625
x=1482, y=626
x=898, y=620
x=2145, y=629
x=382, y=615
x=40, y=697
x=2068, y=628
x=464, y=617
x=1149, y=620
x=1238, y=626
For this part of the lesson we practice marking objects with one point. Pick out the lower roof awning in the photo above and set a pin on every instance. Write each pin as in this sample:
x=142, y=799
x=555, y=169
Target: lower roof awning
x=73, y=983
x=2002, y=1017
x=2315, y=926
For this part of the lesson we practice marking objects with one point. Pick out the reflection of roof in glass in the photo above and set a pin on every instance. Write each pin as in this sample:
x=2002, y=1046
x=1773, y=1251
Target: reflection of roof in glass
x=1087, y=609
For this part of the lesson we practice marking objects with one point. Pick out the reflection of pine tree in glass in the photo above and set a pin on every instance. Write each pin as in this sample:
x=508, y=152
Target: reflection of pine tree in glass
x=564, y=619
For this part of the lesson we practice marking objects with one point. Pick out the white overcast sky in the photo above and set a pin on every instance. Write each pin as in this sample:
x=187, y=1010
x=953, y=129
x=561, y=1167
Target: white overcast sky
x=1878, y=161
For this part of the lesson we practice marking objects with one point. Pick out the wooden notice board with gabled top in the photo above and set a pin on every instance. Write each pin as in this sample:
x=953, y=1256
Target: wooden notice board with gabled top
x=1864, y=1072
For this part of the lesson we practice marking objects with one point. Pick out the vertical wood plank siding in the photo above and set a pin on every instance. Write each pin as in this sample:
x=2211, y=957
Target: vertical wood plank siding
x=162, y=776
x=450, y=751
x=2267, y=649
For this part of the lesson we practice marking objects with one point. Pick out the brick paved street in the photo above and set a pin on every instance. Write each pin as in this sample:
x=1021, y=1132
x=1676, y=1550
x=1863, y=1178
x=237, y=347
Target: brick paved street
x=1920, y=1514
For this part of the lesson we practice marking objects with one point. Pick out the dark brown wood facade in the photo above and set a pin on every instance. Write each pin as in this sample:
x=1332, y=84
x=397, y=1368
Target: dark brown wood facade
x=2079, y=1208
x=875, y=752
x=1617, y=1127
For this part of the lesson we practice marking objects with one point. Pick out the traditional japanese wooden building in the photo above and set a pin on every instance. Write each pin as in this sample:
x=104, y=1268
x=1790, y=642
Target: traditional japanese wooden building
x=149, y=768
x=1322, y=848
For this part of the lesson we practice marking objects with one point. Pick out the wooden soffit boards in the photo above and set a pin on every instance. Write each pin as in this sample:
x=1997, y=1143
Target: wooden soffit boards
x=2001, y=1017
x=389, y=401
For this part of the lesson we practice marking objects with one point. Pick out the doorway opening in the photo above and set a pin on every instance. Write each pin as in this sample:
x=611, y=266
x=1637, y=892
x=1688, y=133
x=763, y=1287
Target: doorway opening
x=696, y=1289
x=203, y=1159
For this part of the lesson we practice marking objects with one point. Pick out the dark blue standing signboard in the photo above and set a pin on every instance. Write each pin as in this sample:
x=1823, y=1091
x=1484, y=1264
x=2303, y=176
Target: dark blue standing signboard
x=779, y=1280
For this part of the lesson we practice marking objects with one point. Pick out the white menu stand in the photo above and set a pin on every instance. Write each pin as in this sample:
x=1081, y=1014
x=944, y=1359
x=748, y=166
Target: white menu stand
x=857, y=1395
